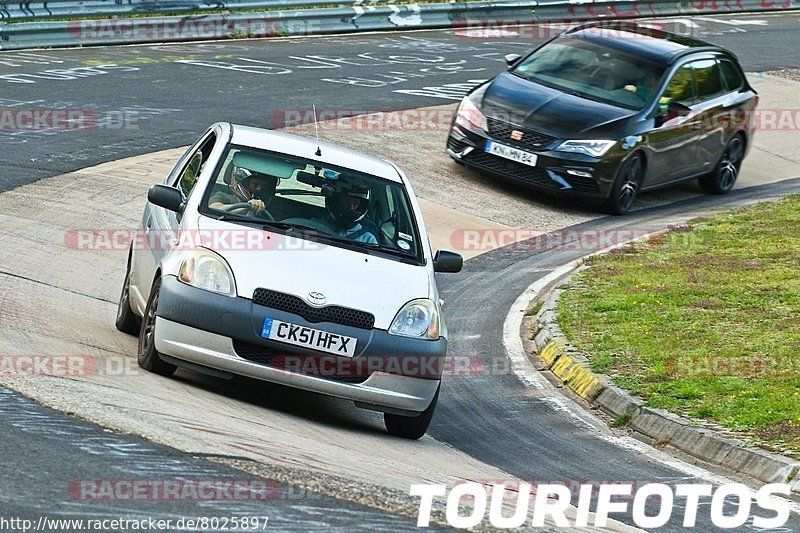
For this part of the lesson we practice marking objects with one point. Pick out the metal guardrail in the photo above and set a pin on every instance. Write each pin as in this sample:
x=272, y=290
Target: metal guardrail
x=19, y=28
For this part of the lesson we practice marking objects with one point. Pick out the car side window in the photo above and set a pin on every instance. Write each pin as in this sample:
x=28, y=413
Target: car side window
x=709, y=79
x=680, y=88
x=731, y=75
x=197, y=161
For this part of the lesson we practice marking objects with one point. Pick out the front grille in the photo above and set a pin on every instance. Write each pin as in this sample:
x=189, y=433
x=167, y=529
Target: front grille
x=531, y=140
x=321, y=366
x=456, y=145
x=512, y=169
x=330, y=313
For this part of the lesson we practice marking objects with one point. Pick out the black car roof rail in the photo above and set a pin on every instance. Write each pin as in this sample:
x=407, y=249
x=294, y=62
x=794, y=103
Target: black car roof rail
x=700, y=49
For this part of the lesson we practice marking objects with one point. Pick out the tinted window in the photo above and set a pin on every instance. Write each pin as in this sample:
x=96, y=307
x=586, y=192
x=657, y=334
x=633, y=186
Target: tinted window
x=594, y=71
x=733, y=79
x=680, y=88
x=709, y=79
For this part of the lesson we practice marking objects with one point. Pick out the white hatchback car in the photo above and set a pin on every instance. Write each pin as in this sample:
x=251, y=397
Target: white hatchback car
x=284, y=259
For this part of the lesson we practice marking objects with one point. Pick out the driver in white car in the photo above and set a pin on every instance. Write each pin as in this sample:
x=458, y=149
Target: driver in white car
x=248, y=187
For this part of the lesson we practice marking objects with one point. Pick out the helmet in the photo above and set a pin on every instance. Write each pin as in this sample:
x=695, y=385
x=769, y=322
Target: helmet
x=348, y=204
x=245, y=189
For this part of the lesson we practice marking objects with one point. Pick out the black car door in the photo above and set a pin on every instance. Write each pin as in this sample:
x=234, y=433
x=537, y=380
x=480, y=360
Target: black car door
x=675, y=130
x=711, y=109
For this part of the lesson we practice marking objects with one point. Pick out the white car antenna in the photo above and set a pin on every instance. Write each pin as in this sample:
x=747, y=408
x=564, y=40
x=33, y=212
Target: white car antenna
x=318, y=153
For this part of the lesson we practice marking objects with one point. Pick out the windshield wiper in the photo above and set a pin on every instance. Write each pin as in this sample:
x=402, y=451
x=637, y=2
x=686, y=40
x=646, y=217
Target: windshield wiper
x=230, y=217
x=521, y=75
x=286, y=225
x=388, y=250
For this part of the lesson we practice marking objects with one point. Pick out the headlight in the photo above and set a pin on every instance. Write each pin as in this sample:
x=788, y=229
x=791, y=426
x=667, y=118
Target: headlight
x=591, y=147
x=208, y=271
x=469, y=116
x=418, y=318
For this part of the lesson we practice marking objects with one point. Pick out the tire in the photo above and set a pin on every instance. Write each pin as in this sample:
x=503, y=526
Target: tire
x=723, y=177
x=626, y=186
x=147, y=355
x=127, y=321
x=411, y=427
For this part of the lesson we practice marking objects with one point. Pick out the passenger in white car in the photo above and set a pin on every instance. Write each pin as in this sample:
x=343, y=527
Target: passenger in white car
x=347, y=209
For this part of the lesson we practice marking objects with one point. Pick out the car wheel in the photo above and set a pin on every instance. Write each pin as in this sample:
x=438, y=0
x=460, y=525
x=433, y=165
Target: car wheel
x=148, y=356
x=411, y=427
x=626, y=186
x=127, y=321
x=723, y=177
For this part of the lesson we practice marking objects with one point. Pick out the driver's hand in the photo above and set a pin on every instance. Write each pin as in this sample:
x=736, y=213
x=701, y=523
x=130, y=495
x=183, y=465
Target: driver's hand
x=258, y=206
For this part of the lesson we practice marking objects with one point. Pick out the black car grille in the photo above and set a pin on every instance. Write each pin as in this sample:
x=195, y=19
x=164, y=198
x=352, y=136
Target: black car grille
x=531, y=140
x=310, y=365
x=534, y=175
x=511, y=169
x=330, y=313
x=456, y=145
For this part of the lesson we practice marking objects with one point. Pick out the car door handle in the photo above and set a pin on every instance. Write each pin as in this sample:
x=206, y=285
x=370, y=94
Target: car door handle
x=695, y=125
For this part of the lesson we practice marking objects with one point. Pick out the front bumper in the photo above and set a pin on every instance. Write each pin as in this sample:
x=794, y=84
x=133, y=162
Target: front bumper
x=555, y=173
x=388, y=373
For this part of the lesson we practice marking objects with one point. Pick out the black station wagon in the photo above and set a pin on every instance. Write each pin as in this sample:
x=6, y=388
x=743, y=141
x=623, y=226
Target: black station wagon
x=608, y=110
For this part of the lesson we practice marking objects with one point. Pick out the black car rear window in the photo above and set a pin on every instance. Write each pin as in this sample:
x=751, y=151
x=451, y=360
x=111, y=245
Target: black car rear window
x=593, y=70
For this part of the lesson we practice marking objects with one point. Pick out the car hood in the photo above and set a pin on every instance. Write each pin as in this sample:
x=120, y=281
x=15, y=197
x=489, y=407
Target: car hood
x=540, y=108
x=296, y=266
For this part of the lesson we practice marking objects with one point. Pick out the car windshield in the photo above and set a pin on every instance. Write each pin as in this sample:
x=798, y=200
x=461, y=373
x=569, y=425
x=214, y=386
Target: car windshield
x=592, y=70
x=322, y=201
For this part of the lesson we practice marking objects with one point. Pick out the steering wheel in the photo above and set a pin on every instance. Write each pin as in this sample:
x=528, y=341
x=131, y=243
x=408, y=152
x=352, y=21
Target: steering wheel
x=246, y=205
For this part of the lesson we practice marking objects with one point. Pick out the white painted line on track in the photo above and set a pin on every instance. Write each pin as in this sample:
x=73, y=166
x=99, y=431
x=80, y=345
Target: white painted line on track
x=734, y=22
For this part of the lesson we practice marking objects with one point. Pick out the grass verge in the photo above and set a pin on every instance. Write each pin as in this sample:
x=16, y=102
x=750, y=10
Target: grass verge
x=703, y=321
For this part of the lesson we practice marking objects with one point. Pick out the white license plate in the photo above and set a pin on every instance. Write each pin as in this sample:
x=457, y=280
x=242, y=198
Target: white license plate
x=514, y=154
x=316, y=339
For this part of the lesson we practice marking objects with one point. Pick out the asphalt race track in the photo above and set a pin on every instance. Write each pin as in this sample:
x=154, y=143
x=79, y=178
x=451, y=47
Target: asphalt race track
x=146, y=98
x=73, y=453
x=139, y=99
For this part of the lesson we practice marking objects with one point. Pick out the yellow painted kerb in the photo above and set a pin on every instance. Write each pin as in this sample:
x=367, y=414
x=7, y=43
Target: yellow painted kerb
x=574, y=375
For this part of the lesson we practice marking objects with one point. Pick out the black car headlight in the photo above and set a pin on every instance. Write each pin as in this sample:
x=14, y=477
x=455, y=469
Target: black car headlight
x=470, y=117
x=591, y=147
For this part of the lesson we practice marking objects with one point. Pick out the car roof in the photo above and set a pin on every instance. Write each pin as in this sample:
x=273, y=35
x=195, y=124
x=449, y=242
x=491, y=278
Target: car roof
x=306, y=147
x=653, y=44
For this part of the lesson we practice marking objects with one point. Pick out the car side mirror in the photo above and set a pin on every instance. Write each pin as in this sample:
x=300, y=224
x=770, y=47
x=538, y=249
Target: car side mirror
x=667, y=112
x=445, y=261
x=675, y=110
x=510, y=59
x=167, y=197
